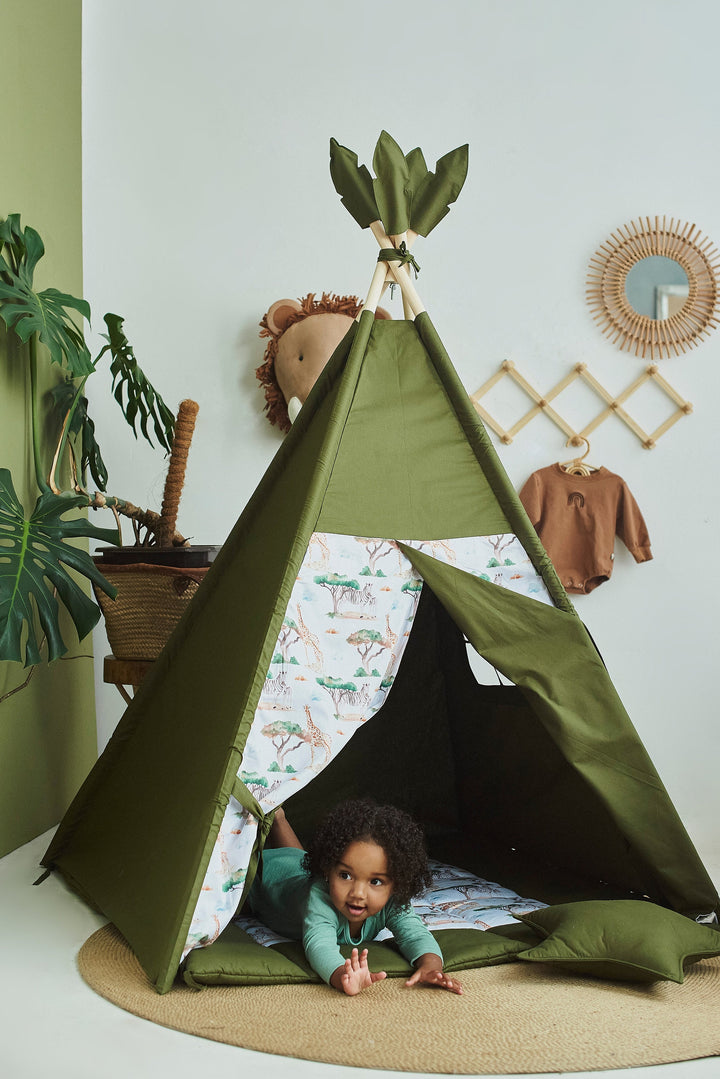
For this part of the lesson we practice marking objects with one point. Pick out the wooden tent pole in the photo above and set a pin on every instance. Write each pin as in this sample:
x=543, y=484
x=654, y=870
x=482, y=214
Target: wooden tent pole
x=408, y=239
x=377, y=287
x=384, y=274
x=403, y=278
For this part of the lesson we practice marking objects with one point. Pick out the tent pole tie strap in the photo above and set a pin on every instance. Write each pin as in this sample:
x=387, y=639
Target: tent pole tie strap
x=399, y=254
x=43, y=877
x=242, y=795
x=412, y=304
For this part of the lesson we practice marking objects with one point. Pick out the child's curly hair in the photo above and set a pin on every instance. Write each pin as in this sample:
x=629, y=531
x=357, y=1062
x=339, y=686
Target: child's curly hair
x=391, y=828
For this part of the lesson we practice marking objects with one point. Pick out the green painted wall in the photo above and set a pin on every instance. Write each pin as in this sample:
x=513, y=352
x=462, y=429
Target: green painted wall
x=47, y=729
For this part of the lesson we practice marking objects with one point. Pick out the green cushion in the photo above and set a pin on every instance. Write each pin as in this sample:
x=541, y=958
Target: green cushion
x=463, y=949
x=236, y=959
x=625, y=939
x=218, y=963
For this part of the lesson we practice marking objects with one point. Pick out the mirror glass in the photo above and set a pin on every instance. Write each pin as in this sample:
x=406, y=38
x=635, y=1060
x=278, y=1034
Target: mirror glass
x=648, y=313
x=657, y=287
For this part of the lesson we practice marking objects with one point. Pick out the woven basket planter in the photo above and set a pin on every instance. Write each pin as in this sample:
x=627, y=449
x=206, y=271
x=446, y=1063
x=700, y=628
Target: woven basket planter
x=149, y=604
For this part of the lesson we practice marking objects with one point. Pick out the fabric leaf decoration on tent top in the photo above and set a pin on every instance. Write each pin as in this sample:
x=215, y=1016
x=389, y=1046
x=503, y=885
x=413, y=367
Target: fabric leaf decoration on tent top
x=46, y=313
x=432, y=197
x=33, y=556
x=393, y=192
x=404, y=194
x=354, y=184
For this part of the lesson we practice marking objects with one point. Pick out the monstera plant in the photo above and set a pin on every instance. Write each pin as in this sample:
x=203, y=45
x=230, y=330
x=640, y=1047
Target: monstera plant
x=39, y=560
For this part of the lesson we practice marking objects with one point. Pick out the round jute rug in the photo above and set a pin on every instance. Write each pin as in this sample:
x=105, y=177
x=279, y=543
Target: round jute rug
x=511, y=1019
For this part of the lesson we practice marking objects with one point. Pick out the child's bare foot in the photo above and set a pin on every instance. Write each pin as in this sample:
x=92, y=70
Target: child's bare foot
x=356, y=976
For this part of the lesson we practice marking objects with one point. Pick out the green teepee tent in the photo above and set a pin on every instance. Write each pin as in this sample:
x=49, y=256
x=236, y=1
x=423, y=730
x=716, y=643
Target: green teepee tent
x=326, y=655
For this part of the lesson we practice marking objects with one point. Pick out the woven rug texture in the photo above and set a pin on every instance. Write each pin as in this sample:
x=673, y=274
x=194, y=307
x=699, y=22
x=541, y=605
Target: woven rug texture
x=515, y=1018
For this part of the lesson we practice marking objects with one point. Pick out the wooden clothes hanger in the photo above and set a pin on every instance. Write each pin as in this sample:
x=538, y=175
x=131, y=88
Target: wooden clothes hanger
x=578, y=466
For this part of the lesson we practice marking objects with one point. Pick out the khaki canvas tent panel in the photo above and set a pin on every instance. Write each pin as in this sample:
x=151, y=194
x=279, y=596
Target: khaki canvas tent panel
x=387, y=488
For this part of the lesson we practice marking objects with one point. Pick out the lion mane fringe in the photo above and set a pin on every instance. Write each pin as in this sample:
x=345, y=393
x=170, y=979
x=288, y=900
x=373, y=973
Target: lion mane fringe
x=275, y=404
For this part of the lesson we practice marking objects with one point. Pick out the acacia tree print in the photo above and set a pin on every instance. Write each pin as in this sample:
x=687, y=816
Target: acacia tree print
x=376, y=549
x=337, y=690
x=386, y=684
x=363, y=641
x=258, y=785
x=338, y=586
x=413, y=588
x=287, y=637
x=281, y=733
x=254, y=779
x=500, y=544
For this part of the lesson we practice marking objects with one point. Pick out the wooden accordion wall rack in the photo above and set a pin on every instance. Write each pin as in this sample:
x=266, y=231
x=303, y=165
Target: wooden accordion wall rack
x=648, y=338
x=613, y=404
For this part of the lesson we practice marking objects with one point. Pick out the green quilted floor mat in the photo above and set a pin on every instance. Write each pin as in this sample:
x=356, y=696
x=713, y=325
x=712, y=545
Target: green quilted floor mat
x=236, y=959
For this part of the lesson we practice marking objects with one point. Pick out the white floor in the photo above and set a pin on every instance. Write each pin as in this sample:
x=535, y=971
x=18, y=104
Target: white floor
x=52, y=1025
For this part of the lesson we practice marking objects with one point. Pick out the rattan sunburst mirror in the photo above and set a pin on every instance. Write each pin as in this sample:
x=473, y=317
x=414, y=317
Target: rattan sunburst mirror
x=683, y=315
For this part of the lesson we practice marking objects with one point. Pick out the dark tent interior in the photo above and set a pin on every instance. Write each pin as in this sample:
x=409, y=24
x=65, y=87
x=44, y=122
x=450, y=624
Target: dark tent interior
x=475, y=766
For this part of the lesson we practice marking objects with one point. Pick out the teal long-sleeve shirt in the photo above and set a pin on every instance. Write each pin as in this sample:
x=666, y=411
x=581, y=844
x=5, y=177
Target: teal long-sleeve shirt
x=288, y=901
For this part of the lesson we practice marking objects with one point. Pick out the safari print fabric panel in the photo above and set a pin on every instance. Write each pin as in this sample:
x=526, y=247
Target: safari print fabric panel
x=456, y=899
x=334, y=662
x=502, y=560
x=225, y=877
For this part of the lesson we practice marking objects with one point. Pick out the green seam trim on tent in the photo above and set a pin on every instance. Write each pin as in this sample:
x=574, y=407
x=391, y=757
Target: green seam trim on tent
x=240, y=792
x=359, y=333
x=312, y=507
x=248, y=801
x=490, y=462
x=306, y=523
x=313, y=503
x=551, y=623
x=169, y=963
x=540, y=622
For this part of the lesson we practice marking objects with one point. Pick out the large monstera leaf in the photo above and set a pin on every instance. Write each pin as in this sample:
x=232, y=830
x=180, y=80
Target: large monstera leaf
x=69, y=402
x=34, y=554
x=49, y=314
x=137, y=397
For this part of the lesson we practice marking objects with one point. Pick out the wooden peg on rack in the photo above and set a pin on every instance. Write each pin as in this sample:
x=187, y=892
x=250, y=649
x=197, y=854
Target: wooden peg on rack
x=613, y=403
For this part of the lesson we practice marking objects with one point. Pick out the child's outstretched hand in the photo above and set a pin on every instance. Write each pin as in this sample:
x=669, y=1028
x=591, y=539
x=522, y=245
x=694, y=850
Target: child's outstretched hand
x=434, y=976
x=355, y=975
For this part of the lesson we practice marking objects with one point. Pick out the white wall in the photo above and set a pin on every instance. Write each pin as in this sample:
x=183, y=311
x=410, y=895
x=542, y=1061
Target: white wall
x=207, y=196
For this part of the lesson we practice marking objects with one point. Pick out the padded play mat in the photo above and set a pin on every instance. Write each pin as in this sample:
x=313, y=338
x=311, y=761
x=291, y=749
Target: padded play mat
x=463, y=911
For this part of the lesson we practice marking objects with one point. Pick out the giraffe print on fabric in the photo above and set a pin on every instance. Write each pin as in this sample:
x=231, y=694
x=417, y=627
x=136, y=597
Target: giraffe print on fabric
x=334, y=661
